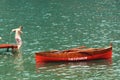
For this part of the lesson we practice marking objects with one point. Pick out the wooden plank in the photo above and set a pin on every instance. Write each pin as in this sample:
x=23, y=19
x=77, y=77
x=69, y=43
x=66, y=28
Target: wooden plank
x=8, y=46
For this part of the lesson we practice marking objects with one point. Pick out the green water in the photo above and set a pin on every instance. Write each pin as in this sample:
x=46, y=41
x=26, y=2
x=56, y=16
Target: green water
x=59, y=25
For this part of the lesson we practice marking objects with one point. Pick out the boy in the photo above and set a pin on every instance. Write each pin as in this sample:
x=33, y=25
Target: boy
x=18, y=39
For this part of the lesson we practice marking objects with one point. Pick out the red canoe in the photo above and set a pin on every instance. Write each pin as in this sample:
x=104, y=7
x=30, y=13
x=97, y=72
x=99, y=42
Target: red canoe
x=74, y=54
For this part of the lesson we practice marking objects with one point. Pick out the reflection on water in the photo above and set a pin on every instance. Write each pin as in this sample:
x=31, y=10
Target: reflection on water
x=18, y=60
x=11, y=65
x=76, y=70
x=91, y=63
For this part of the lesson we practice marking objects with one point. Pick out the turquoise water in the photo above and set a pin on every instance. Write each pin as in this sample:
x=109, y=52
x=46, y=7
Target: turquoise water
x=59, y=25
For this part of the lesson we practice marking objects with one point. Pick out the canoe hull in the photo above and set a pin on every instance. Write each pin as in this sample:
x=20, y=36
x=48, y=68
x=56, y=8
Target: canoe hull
x=105, y=54
x=54, y=59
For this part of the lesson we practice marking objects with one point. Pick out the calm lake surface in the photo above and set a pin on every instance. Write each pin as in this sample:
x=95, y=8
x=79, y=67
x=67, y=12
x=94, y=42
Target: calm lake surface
x=59, y=25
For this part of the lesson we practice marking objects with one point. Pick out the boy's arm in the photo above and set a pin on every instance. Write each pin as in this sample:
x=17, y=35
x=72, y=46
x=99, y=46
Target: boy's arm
x=13, y=30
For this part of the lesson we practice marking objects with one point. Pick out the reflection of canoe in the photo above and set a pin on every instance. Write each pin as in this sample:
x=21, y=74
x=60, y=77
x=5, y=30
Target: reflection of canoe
x=91, y=63
x=75, y=54
x=7, y=46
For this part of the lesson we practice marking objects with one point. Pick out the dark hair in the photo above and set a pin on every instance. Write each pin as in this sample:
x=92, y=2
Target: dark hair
x=21, y=27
